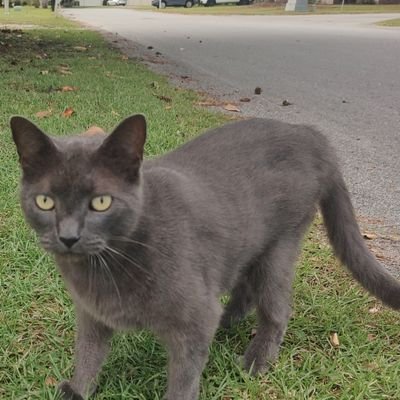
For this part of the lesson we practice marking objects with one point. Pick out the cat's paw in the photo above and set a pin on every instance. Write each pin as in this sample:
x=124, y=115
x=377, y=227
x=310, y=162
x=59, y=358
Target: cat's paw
x=67, y=392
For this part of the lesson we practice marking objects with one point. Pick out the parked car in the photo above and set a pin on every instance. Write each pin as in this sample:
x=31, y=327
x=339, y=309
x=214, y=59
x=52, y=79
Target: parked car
x=209, y=3
x=165, y=3
x=116, y=2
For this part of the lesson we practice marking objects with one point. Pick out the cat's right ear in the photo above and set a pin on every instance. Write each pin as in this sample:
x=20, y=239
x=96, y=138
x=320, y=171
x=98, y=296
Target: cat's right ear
x=35, y=148
x=122, y=150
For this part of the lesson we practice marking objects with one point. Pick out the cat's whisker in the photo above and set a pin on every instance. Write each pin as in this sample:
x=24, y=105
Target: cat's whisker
x=145, y=245
x=91, y=273
x=128, y=258
x=120, y=265
x=108, y=271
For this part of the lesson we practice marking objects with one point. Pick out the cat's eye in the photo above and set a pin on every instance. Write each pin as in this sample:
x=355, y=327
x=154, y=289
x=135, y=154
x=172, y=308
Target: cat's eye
x=44, y=202
x=101, y=203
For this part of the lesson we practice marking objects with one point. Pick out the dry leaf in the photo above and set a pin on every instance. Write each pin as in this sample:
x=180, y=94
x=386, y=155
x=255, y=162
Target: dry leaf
x=257, y=90
x=369, y=236
x=370, y=337
x=164, y=98
x=45, y=72
x=43, y=114
x=64, y=70
x=93, y=130
x=286, y=103
x=168, y=107
x=124, y=57
x=50, y=381
x=68, y=112
x=68, y=89
x=334, y=339
x=372, y=365
x=231, y=107
x=245, y=99
x=253, y=332
x=80, y=48
x=374, y=310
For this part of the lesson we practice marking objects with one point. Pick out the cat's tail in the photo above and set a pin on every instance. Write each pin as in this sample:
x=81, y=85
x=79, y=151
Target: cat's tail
x=349, y=246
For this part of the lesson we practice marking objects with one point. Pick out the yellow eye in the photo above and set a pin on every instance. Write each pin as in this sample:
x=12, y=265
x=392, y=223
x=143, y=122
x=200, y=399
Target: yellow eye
x=44, y=202
x=101, y=203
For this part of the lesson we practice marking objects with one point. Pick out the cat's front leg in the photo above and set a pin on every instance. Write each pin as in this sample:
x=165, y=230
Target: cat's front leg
x=188, y=348
x=91, y=348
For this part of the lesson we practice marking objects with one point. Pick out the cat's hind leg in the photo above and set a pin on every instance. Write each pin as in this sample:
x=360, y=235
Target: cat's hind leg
x=273, y=294
x=240, y=303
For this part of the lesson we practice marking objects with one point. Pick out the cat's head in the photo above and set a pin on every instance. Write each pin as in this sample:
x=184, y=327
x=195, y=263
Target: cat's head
x=81, y=192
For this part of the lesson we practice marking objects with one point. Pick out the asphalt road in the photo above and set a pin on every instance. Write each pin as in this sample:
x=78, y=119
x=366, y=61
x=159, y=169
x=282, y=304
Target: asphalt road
x=340, y=72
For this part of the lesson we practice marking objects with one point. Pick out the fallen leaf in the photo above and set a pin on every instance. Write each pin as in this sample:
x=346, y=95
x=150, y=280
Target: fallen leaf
x=231, y=107
x=286, y=103
x=124, y=57
x=334, y=339
x=257, y=90
x=50, y=381
x=168, y=107
x=184, y=76
x=68, y=89
x=245, y=100
x=93, y=130
x=372, y=365
x=80, y=48
x=63, y=70
x=253, y=332
x=374, y=310
x=68, y=112
x=369, y=236
x=208, y=103
x=43, y=114
x=164, y=98
x=45, y=72
x=150, y=47
x=370, y=337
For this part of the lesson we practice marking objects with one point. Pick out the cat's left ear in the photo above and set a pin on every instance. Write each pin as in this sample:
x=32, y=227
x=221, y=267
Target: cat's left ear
x=37, y=152
x=122, y=150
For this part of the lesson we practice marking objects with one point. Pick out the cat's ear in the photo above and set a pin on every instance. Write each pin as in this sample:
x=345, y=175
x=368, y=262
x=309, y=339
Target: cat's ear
x=35, y=149
x=122, y=150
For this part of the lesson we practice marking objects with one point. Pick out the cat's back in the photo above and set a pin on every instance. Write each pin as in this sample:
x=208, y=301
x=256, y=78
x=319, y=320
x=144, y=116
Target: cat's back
x=250, y=144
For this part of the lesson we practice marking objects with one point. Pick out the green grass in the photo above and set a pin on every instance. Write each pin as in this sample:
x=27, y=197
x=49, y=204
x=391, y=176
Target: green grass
x=276, y=10
x=36, y=317
x=34, y=16
x=390, y=22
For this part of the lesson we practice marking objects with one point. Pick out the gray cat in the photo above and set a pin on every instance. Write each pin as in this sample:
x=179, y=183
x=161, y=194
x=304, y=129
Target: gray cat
x=154, y=244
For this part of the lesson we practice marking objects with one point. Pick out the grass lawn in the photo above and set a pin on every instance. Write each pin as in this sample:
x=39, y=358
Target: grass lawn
x=36, y=316
x=390, y=22
x=34, y=16
x=277, y=10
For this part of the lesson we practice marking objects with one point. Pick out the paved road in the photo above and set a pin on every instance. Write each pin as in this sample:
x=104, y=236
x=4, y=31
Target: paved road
x=341, y=73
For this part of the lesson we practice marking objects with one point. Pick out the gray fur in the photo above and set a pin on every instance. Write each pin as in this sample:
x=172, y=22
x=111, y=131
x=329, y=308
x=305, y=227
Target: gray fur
x=225, y=213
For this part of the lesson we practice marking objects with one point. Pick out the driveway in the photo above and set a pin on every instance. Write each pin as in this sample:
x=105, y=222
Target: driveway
x=340, y=73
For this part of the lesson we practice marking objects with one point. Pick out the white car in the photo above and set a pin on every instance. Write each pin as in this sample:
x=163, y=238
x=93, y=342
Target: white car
x=116, y=2
x=209, y=3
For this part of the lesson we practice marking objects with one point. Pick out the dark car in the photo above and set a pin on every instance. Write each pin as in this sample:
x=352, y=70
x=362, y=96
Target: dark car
x=165, y=3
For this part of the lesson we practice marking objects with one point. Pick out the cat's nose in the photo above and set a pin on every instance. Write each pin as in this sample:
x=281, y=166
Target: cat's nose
x=69, y=241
